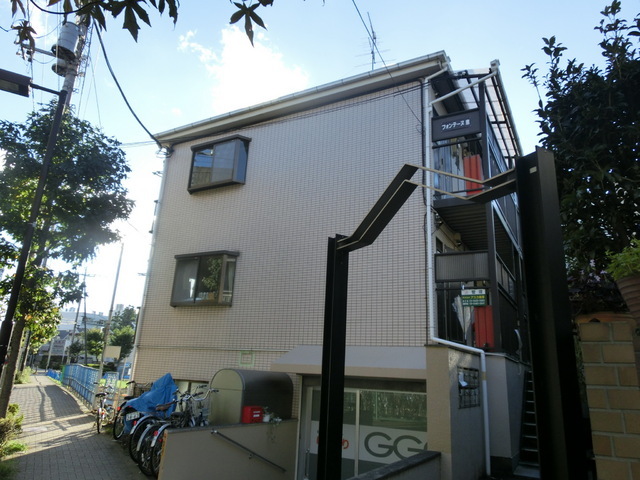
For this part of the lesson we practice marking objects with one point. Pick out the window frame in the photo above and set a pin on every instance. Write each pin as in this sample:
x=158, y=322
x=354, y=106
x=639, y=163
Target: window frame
x=240, y=160
x=227, y=256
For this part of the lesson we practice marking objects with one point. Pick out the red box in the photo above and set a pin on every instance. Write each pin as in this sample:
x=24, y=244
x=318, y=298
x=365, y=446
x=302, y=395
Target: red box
x=483, y=327
x=252, y=414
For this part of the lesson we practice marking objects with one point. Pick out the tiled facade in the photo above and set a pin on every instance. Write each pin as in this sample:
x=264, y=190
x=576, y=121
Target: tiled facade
x=309, y=176
x=613, y=394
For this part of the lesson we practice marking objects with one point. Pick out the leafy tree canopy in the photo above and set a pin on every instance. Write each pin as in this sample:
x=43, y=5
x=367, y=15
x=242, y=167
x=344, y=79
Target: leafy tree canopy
x=132, y=11
x=95, y=342
x=590, y=120
x=83, y=195
x=124, y=318
x=123, y=338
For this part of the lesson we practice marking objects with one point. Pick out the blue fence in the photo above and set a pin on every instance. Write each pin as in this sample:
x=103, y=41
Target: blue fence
x=83, y=380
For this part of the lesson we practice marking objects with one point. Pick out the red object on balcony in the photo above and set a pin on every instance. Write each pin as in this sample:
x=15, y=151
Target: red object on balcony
x=473, y=169
x=252, y=414
x=483, y=327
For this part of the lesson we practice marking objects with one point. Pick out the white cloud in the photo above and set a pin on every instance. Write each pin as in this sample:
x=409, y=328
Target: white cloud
x=244, y=75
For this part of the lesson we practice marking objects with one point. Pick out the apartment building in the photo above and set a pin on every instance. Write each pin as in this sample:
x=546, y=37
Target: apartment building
x=237, y=277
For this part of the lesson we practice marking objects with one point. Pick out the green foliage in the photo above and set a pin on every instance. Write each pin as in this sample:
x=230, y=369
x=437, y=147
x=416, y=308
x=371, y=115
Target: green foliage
x=132, y=12
x=10, y=427
x=24, y=376
x=124, y=318
x=84, y=193
x=75, y=349
x=590, y=120
x=123, y=338
x=626, y=263
x=95, y=342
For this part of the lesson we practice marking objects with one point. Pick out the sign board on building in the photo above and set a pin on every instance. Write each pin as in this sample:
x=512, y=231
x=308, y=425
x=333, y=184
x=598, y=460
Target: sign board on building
x=456, y=125
x=474, y=297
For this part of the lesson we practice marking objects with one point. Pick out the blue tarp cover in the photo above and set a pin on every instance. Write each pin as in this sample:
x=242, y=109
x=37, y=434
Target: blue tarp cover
x=162, y=391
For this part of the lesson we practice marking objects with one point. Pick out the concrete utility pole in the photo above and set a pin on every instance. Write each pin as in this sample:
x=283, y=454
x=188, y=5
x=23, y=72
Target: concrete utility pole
x=68, y=52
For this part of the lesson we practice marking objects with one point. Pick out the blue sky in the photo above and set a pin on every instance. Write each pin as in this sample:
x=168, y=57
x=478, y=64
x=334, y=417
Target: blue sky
x=202, y=67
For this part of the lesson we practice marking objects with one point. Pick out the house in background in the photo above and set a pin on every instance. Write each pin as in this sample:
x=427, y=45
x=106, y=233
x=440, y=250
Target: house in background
x=237, y=275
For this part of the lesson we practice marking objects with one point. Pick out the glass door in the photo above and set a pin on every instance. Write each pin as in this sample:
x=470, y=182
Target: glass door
x=379, y=428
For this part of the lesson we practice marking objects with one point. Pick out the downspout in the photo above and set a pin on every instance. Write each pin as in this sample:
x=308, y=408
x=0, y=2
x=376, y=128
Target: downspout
x=485, y=402
x=427, y=179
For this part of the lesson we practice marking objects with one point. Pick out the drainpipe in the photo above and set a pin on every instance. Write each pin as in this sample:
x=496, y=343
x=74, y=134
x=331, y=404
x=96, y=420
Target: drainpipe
x=485, y=403
x=427, y=179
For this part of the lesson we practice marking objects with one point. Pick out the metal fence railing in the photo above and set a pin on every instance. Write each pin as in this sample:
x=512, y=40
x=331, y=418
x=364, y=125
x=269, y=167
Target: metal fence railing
x=83, y=380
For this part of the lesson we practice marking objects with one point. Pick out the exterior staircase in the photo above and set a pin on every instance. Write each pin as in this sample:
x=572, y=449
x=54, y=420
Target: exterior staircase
x=529, y=466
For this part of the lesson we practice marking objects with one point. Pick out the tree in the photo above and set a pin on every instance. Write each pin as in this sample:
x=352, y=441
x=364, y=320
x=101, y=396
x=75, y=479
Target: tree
x=123, y=337
x=591, y=123
x=83, y=196
x=133, y=10
x=75, y=349
x=124, y=318
x=95, y=342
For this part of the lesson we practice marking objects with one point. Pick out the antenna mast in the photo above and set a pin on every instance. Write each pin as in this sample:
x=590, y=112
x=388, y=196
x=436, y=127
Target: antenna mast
x=373, y=43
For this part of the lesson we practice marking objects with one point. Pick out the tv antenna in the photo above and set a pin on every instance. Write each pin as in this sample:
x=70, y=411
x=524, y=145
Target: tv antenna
x=373, y=43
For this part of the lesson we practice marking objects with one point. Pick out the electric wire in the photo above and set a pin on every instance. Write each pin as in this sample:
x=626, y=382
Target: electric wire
x=124, y=97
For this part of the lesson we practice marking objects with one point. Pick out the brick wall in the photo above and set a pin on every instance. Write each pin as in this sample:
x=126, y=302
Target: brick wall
x=613, y=394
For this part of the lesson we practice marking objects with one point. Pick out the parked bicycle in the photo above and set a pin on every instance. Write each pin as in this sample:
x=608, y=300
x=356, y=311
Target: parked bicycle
x=122, y=415
x=134, y=409
x=192, y=414
x=104, y=411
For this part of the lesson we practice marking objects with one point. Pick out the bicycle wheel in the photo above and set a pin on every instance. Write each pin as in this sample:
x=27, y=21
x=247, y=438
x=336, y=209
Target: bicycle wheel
x=118, y=425
x=99, y=415
x=136, y=434
x=145, y=452
x=156, y=455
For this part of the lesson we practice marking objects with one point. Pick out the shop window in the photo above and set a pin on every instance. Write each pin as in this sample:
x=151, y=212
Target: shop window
x=204, y=279
x=219, y=164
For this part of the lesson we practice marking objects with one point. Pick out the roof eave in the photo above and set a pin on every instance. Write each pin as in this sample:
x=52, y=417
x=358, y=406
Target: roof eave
x=397, y=74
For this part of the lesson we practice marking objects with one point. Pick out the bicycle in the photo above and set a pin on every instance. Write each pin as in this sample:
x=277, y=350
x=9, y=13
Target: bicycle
x=141, y=427
x=123, y=415
x=151, y=447
x=105, y=411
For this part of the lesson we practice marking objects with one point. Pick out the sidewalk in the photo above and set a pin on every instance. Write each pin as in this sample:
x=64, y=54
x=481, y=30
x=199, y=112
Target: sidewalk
x=62, y=440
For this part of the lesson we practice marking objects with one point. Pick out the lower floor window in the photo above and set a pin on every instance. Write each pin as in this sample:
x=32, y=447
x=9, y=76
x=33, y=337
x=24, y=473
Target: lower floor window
x=204, y=279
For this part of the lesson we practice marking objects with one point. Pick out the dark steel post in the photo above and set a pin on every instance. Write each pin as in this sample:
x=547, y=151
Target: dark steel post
x=333, y=361
x=7, y=324
x=564, y=436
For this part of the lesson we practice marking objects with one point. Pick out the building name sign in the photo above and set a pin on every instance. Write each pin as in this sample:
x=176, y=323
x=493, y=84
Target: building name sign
x=456, y=125
x=474, y=297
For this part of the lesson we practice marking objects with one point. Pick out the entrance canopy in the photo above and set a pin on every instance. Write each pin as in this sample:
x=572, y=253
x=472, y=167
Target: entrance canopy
x=373, y=362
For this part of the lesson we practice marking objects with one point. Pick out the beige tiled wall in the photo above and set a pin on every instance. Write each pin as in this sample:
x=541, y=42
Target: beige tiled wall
x=613, y=394
x=309, y=176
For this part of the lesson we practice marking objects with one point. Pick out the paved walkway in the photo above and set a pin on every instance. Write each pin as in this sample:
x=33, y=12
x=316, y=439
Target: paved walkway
x=62, y=440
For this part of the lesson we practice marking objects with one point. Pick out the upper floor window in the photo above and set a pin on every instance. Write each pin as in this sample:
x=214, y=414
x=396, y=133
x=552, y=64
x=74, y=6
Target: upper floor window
x=219, y=164
x=204, y=279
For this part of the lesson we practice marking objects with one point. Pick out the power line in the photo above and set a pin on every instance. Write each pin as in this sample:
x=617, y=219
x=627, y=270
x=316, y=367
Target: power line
x=124, y=97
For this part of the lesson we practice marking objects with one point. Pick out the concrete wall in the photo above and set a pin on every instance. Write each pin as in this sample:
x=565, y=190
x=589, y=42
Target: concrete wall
x=457, y=433
x=613, y=395
x=198, y=453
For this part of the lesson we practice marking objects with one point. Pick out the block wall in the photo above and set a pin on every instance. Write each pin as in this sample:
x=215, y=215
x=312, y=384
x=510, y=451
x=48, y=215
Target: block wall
x=613, y=394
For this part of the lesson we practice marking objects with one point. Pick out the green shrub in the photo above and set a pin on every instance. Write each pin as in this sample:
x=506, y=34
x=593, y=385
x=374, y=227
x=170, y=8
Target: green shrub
x=7, y=470
x=24, y=376
x=10, y=427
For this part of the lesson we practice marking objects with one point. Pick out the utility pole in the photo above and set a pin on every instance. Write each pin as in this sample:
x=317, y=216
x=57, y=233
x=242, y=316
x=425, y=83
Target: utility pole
x=68, y=52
